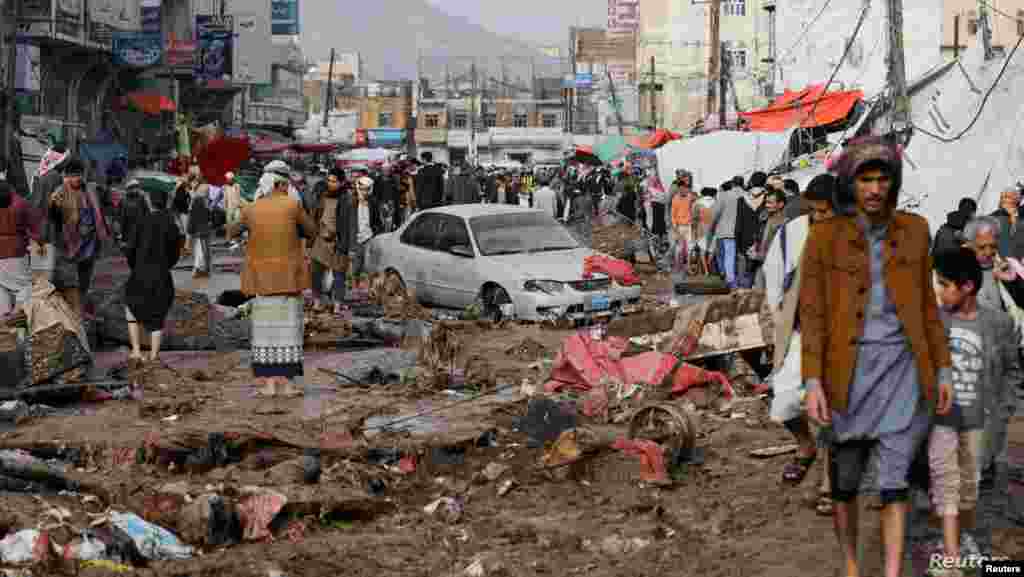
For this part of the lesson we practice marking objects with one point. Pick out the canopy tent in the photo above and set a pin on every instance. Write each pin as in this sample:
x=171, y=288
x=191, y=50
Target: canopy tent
x=221, y=156
x=365, y=156
x=806, y=108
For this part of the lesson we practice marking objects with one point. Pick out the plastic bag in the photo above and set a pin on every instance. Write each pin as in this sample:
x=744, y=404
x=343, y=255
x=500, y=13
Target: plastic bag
x=154, y=543
x=24, y=547
x=788, y=385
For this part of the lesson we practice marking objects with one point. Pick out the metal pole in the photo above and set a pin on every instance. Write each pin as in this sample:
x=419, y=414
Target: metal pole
x=11, y=124
x=328, y=105
x=714, y=44
x=615, y=99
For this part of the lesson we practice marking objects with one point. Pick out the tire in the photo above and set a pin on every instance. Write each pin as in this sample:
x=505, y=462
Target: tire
x=489, y=302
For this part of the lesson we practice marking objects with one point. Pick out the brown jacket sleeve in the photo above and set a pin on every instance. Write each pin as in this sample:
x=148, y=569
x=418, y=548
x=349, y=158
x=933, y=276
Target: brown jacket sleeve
x=305, y=221
x=814, y=311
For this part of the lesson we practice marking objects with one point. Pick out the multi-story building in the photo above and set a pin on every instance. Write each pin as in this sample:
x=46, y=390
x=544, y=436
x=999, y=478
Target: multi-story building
x=502, y=124
x=1005, y=17
x=280, y=106
x=674, y=53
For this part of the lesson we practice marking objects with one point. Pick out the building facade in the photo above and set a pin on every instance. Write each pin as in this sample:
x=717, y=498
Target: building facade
x=1006, y=27
x=674, y=55
x=492, y=126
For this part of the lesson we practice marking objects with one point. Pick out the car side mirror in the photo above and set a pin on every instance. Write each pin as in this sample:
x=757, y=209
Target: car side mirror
x=462, y=250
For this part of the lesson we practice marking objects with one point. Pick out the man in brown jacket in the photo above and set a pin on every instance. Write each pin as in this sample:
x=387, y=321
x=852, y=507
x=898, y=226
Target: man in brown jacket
x=874, y=354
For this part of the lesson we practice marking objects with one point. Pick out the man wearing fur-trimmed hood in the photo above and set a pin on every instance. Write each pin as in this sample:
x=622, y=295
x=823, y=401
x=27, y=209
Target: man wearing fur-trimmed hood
x=874, y=350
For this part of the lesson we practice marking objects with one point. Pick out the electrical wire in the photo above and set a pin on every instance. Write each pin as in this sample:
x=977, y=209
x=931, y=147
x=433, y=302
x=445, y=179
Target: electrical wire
x=846, y=52
x=803, y=33
x=981, y=108
x=1000, y=12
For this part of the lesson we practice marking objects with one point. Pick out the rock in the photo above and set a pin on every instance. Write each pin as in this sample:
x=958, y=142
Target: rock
x=290, y=472
x=210, y=520
x=448, y=508
x=179, y=488
x=506, y=486
x=616, y=546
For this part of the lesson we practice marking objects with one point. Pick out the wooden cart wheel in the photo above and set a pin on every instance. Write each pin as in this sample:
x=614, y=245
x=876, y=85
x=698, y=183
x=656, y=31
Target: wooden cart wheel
x=669, y=425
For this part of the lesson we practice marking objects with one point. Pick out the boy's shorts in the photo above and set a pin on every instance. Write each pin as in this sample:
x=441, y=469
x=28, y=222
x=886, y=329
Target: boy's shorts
x=953, y=460
x=849, y=462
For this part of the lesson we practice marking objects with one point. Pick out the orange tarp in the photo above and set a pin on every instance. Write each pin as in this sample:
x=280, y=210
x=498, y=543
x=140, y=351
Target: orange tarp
x=795, y=108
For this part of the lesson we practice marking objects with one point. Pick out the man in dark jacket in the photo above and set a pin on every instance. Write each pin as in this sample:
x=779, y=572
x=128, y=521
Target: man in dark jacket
x=949, y=237
x=1011, y=235
x=429, y=183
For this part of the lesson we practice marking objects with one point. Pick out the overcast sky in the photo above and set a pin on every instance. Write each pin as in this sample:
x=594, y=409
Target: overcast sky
x=544, y=22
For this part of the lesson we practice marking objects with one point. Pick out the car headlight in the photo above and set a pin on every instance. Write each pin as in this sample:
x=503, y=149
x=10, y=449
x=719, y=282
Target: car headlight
x=551, y=287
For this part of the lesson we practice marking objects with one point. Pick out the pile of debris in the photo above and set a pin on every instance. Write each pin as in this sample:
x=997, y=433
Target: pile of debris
x=399, y=302
x=614, y=239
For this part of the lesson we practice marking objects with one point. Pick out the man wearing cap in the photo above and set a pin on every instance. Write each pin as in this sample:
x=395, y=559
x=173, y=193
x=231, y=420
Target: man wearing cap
x=875, y=357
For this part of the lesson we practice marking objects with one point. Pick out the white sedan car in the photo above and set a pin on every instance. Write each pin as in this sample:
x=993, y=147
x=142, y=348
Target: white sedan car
x=512, y=262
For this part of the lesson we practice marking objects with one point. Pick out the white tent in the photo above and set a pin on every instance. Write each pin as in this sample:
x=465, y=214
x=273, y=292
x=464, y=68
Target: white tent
x=718, y=156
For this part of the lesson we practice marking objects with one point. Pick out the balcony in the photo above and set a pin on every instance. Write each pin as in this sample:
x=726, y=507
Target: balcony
x=432, y=136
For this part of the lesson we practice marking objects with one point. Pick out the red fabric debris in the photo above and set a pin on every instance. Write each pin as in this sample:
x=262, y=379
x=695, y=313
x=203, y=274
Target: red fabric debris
x=619, y=270
x=583, y=362
x=257, y=510
x=688, y=376
x=407, y=464
x=41, y=548
x=595, y=405
x=652, y=458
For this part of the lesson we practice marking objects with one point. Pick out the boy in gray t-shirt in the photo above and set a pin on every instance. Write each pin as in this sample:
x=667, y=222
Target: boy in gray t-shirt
x=985, y=361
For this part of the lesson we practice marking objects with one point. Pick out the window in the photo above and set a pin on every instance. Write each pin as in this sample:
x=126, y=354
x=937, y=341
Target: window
x=490, y=120
x=735, y=7
x=520, y=232
x=739, y=57
x=521, y=120
x=549, y=120
x=972, y=23
x=453, y=233
x=422, y=232
x=384, y=120
x=460, y=121
x=1020, y=22
x=432, y=121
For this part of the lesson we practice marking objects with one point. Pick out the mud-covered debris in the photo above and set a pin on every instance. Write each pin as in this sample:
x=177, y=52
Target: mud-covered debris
x=494, y=470
x=448, y=508
x=527, y=350
x=506, y=486
x=775, y=451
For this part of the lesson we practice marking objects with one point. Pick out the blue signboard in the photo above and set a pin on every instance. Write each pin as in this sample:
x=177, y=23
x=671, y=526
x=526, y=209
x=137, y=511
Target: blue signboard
x=284, y=17
x=380, y=137
x=584, y=80
x=215, y=35
x=138, y=49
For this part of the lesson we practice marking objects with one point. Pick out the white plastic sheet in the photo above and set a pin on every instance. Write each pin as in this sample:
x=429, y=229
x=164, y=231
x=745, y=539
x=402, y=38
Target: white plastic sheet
x=716, y=157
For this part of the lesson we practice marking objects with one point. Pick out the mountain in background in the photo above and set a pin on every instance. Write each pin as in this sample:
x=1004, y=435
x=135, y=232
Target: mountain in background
x=391, y=35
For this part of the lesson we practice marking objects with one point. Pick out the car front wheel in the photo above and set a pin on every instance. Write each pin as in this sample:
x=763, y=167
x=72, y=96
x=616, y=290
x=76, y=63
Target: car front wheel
x=490, y=302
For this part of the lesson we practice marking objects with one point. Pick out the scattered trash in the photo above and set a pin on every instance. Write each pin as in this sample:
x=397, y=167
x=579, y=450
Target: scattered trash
x=450, y=509
x=258, y=507
x=545, y=420
x=489, y=438
x=153, y=542
x=33, y=472
x=476, y=569
x=376, y=487
x=769, y=452
x=564, y=450
x=407, y=465
x=615, y=546
x=106, y=565
x=210, y=520
x=311, y=466
x=447, y=455
x=506, y=486
x=26, y=546
x=652, y=459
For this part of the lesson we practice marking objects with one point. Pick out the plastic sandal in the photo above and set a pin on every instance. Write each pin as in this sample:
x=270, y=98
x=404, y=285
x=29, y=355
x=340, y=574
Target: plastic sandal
x=795, y=471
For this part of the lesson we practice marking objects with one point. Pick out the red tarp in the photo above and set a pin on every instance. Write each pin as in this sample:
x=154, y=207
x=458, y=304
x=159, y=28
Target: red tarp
x=151, y=104
x=221, y=156
x=656, y=139
x=617, y=269
x=794, y=108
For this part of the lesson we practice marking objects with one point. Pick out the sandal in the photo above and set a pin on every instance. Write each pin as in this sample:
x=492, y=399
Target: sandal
x=796, y=470
x=824, y=506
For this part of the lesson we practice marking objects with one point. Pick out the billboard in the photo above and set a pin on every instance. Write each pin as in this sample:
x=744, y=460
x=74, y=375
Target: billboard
x=138, y=49
x=599, y=46
x=253, y=52
x=215, y=35
x=284, y=17
x=149, y=17
x=623, y=15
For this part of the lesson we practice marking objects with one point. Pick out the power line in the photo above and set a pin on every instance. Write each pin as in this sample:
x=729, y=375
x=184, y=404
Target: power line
x=981, y=108
x=846, y=52
x=1000, y=12
x=803, y=33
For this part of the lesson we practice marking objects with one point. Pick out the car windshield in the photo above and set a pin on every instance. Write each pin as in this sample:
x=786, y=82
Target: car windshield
x=524, y=232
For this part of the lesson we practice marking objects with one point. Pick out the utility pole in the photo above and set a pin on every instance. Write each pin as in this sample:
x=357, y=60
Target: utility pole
x=615, y=99
x=956, y=36
x=654, y=97
x=472, y=124
x=985, y=25
x=723, y=84
x=328, y=103
x=11, y=123
x=772, y=48
x=714, y=46
x=899, y=119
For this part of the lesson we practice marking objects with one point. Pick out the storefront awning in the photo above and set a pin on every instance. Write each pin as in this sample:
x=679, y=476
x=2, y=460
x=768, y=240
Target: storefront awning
x=149, y=103
x=796, y=109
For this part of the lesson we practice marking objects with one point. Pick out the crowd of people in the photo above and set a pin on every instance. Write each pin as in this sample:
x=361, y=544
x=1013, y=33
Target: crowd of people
x=891, y=350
